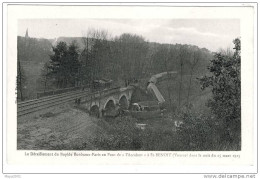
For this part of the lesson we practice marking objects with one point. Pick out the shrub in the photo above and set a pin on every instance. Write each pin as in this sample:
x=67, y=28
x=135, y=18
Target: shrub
x=198, y=132
x=225, y=84
x=121, y=134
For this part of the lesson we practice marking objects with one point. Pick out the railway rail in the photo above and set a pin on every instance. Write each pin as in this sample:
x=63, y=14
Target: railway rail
x=30, y=106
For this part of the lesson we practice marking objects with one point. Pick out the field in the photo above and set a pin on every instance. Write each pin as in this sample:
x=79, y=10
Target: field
x=57, y=128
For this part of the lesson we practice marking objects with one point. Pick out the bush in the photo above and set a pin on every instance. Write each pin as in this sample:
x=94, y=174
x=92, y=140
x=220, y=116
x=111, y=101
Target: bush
x=160, y=135
x=198, y=132
x=121, y=134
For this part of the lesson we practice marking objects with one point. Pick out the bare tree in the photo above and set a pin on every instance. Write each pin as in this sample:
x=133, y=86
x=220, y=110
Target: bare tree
x=181, y=57
x=228, y=51
x=98, y=34
x=93, y=40
x=193, y=63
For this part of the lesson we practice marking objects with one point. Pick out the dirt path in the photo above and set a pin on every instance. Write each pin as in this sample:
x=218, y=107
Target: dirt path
x=59, y=128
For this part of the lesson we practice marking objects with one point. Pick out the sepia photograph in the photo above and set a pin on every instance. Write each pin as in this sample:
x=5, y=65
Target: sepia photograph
x=129, y=84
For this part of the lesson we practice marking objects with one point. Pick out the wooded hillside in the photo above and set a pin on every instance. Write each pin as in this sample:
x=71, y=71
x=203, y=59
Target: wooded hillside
x=126, y=57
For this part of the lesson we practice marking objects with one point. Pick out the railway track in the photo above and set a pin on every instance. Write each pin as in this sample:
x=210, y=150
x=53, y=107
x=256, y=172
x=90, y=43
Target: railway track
x=30, y=106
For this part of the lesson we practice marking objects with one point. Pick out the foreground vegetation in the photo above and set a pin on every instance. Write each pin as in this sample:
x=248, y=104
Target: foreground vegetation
x=196, y=133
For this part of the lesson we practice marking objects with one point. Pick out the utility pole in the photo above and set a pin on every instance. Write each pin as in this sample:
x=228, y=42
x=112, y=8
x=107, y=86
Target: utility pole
x=181, y=63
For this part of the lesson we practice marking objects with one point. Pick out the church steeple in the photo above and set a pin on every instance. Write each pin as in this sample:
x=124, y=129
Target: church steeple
x=26, y=34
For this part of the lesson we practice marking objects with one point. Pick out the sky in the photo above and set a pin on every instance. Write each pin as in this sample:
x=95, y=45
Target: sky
x=213, y=34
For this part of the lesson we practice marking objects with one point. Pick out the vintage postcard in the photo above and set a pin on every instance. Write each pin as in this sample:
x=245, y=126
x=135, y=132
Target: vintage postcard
x=167, y=86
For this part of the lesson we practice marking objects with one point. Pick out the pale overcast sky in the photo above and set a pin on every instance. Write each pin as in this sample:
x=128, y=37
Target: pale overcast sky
x=208, y=33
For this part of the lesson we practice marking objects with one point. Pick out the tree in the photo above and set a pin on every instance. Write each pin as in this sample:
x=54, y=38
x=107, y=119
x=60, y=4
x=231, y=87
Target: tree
x=225, y=84
x=73, y=64
x=158, y=59
x=64, y=64
x=20, y=80
x=131, y=55
x=45, y=76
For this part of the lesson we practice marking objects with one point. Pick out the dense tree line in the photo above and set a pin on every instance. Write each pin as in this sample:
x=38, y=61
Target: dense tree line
x=123, y=58
x=128, y=57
